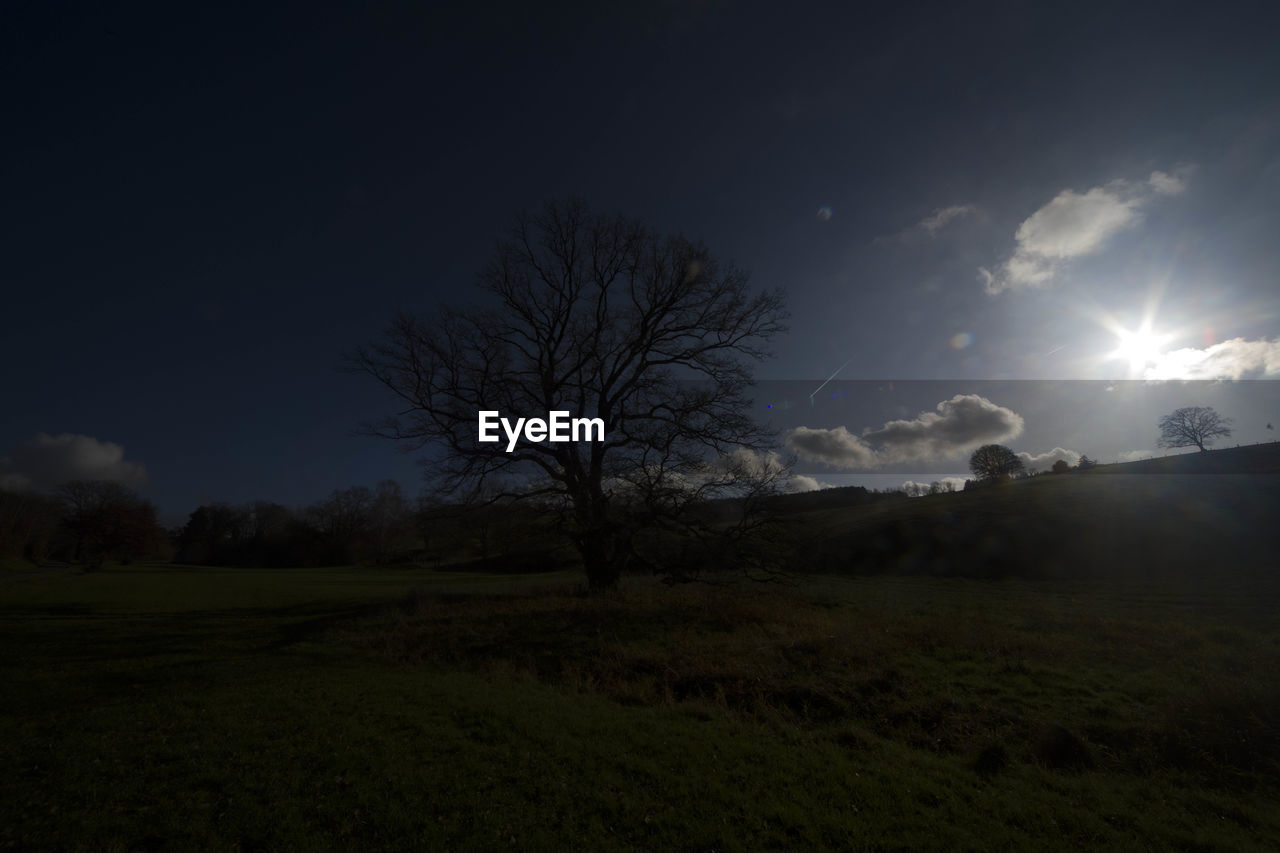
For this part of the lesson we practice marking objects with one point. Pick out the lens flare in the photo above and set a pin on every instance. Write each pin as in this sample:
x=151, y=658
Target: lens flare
x=1140, y=347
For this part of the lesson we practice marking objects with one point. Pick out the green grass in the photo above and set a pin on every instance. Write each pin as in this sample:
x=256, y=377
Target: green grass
x=14, y=564
x=157, y=707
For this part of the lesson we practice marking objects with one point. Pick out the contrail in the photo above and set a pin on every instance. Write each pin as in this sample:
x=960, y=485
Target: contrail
x=829, y=378
x=1056, y=349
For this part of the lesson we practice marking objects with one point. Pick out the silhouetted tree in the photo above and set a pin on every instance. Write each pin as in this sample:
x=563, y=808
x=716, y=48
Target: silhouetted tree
x=344, y=521
x=601, y=317
x=275, y=537
x=994, y=461
x=108, y=520
x=215, y=535
x=390, y=522
x=1193, y=426
x=1061, y=466
x=29, y=525
x=434, y=523
x=353, y=524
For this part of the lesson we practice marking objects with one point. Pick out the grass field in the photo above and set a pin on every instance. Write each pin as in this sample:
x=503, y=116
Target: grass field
x=157, y=707
x=1102, y=524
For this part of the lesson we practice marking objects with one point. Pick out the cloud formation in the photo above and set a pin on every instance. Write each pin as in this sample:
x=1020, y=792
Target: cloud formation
x=960, y=424
x=1074, y=225
x=938, y=220
x=798, y=483
x=931, y=224
x=837, y=447
x=1044, y=461
x=1166, y=184
x=1233, y=359
x=48, y=461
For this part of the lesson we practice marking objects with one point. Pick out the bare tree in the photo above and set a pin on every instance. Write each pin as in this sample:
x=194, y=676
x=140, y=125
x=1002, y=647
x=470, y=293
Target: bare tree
x=993, y=461
x=1193, y=426
x=108, y=520
x=598, y=316
x=390, y=522
x=29, y=524
x=344, y=521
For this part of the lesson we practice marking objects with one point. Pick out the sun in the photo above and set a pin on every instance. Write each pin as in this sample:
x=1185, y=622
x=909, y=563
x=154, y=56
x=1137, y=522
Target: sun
x=1140, y=348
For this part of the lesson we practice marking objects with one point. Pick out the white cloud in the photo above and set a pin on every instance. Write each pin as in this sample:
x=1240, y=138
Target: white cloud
x=1074, y=225
x=1233, y=359
x=48, y=461
x=1166, y=184
x=837, y=447
x=962, y=423
x=797, y=483
x=727, y=475
x=938, y=220
x=931, y=224
x=1044, y=461
x=749, y=462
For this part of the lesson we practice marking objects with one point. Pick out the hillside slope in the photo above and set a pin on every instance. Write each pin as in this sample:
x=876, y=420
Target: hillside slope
x=1252, y=459
x=1182, y=516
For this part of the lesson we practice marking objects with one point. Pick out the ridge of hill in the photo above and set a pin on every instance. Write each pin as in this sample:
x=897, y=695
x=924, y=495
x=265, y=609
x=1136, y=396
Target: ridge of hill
x=1249, y=459
x=1210, y=514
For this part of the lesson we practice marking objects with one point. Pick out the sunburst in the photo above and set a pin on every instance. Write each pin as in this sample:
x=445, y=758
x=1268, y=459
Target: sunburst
x=1140, y=348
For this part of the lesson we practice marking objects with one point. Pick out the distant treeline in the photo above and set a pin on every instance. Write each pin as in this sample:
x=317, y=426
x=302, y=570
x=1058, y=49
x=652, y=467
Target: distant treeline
x=832, y=498
x=350, y=526
x=93, y=522
x=85, y=521
x=358, y=525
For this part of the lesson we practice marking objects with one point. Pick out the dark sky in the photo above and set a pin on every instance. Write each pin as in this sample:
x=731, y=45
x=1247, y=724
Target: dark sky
x=204, y=208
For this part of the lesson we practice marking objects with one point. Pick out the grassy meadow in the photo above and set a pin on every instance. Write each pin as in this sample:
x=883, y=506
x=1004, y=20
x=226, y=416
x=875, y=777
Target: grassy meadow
x=1177, y=529
x=156, y=707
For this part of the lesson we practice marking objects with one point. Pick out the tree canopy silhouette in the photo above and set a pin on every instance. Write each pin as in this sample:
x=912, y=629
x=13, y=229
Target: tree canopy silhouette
x=599, y=316
x=1193, y=426
x=108, y=521
x=993, y=461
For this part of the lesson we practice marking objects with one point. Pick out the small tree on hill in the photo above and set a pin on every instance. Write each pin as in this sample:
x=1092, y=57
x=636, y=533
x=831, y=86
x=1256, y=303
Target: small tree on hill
x=993, y=461
x=1061, y=467
x=1193, y=426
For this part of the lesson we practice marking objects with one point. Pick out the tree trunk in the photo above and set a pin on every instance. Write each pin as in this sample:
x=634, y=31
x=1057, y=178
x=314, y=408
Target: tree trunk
x=597, y=538
x=603, y=571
